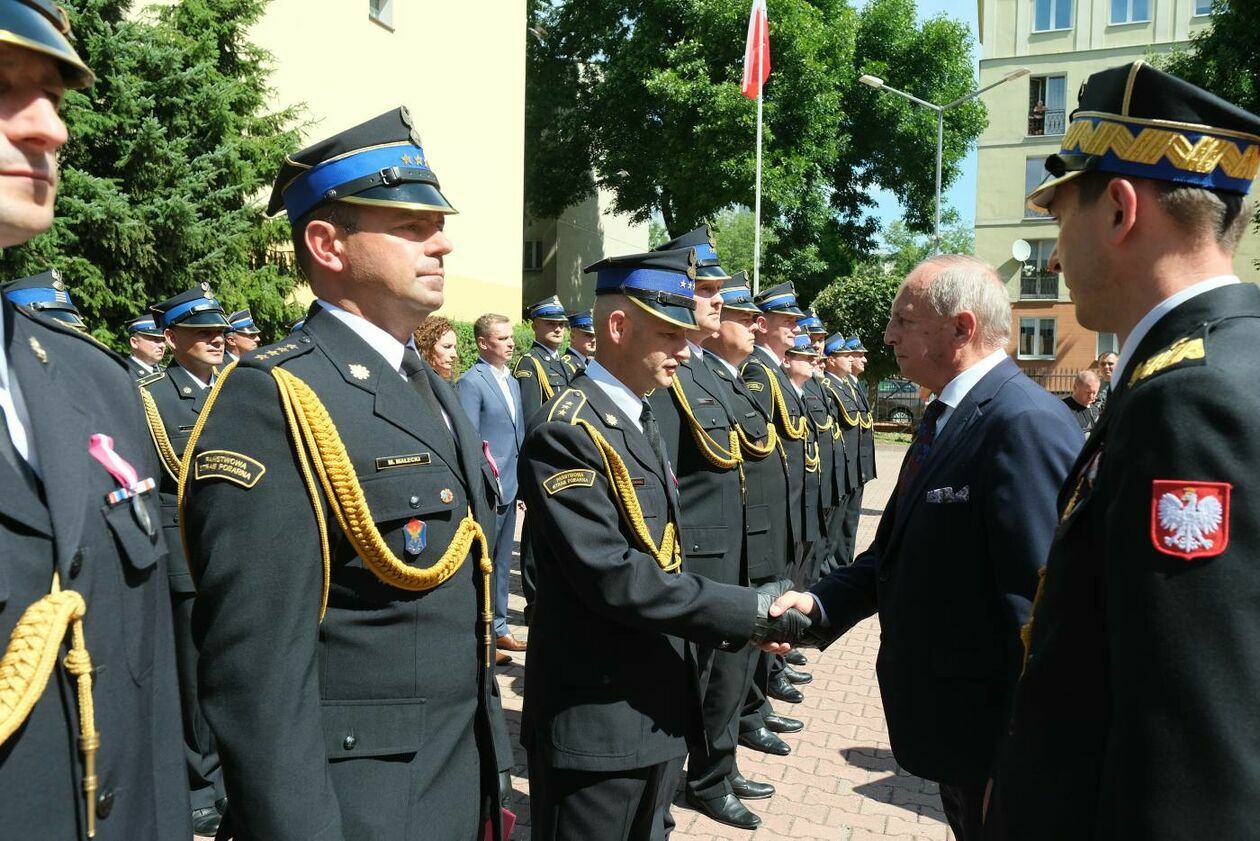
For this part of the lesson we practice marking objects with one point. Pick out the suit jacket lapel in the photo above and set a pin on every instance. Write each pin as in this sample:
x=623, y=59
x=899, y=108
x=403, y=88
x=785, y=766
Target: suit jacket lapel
x=487, y=376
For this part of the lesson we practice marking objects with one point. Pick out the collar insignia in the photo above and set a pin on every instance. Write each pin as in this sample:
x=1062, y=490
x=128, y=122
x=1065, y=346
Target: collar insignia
x=38, y=350
x=610, y=419
x=359, y=372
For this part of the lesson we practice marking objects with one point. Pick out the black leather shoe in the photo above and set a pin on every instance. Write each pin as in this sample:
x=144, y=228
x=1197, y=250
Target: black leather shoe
x=797, y=678
x=763, y=740
x=205, y=821
x=725, y=809
x=746, y=789
x=776, y=723
x=796, y=658
x=781, y=689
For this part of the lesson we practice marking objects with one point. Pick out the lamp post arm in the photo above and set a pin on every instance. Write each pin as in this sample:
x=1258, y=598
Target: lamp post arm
x=910, y=97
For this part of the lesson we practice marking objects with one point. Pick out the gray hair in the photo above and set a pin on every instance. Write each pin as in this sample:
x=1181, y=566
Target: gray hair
x=1087, y=377
x=964, y=283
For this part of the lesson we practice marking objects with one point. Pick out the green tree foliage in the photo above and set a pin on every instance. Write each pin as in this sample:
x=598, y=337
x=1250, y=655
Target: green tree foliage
x=734, y=231
x=646, y=95
x=859, y=301
x=1225, y=57
x=168, y=155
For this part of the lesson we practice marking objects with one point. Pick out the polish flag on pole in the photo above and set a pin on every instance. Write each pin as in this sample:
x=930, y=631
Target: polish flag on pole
x=756, y=52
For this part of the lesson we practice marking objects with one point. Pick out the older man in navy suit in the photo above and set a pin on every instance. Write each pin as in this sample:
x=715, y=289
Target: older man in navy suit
x=492, y=399
x=955, y=562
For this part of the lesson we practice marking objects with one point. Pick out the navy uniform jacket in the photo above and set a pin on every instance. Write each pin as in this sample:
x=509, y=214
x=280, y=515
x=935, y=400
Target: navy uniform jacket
x=374, y=722
x=1136, y=716
x=952, y=572
x=710, y=498
x=573, y=361
x=611, y=682
x=74, y=389
x=535, y=364
x=765, y=482
x=866, y=433
x=137, y=371
x=843, y=409
x=819, y=412
x=179, y=399
x=802, y=484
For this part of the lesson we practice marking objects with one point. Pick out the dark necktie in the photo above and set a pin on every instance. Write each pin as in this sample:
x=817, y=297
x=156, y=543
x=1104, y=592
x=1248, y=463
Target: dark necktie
x=653, y=433
x=414, y=368
x=921, y=447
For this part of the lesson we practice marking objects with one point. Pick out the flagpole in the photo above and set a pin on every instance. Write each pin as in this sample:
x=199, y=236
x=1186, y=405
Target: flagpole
x=757, y=208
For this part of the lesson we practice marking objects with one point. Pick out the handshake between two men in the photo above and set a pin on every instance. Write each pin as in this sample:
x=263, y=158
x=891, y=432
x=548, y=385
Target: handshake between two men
x=785, y=618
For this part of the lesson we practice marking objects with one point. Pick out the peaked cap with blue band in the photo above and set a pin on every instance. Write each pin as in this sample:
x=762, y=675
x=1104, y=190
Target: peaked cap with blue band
x=835, y=344
x=811, y=323
x=45, y=293
x=802, y=346
x=548, y=309
x=379, y=162
x=195, y=308
x=42, y=26
x=737, y=296
x=1141, y=122
x=701, y=239
x=854, y=345
x=584, y=321
x=145, y=325
x=781, y=299
x=661, y=282
x=242, y=321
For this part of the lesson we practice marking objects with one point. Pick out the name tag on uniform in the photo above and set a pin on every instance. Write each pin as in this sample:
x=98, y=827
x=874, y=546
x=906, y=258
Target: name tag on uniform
x=387, y=462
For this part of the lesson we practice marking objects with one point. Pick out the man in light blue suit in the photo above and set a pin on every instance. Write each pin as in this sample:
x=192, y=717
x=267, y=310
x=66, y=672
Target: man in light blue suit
x=492, y=399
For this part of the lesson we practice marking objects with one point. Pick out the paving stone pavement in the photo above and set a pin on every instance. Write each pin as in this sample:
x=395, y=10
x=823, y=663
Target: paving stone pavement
x=840, y=783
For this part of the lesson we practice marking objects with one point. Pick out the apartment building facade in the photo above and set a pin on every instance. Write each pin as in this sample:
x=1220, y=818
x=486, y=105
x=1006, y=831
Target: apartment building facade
x=1061, y=42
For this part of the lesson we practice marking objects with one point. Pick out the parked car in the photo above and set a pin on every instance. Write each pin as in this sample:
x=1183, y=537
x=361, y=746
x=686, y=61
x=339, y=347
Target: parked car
x=898, y=400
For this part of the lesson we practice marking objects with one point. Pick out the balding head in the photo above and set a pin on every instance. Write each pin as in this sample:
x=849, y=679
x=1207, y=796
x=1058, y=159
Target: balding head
x=1085, y=388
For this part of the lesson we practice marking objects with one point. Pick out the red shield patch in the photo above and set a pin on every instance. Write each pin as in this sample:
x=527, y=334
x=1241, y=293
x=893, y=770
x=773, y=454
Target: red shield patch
x=1190, y=519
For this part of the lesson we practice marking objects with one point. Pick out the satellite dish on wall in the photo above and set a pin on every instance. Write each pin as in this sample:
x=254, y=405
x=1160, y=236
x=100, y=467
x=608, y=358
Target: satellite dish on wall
x=1021, y=250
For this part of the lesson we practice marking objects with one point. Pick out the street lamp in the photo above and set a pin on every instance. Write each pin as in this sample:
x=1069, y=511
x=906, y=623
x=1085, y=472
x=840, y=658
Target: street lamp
x=879, y=85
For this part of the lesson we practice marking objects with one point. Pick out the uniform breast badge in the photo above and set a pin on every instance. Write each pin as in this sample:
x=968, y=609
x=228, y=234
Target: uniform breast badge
x=1190, y=519
x=416, y=536
x=359, y=372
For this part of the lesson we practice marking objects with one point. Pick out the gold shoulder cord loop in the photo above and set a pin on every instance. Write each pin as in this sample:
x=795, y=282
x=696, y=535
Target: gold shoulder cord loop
x=668, y=555
x=157, y=431
x=544, y=385
x=726, y=458
x=748, y=448
x=865, y=419
x=848, y=418
x=797, y=431
x=28, y=663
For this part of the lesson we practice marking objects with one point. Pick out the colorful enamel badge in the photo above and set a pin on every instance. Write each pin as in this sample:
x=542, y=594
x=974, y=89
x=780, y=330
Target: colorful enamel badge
x=1190, y=519
x=416, y=536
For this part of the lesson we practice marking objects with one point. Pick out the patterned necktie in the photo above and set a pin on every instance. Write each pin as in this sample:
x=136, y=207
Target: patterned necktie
x=921, y=447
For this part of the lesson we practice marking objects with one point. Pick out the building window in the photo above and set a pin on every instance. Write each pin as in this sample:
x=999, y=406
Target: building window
x=1107, y=343
x=1034, y=174
x=1036, y=281
x=1047, y=105
x=1130, y=11
x=1036, y=338
x=533, y=255
x=1049, y=15
x=382, y=11
x=1202, y=7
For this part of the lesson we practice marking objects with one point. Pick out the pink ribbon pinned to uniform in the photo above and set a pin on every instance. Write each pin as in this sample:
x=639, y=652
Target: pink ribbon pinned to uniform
x=101, y=448
x=485, y=448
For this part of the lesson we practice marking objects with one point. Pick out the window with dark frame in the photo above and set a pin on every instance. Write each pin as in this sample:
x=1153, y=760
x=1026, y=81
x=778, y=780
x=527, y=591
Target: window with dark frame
x=1036, y=281
x=533, y=255
x=1036, y=338
x=1047, y=105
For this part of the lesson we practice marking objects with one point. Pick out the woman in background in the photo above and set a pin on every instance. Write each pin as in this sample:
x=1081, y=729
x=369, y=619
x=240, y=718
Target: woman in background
x=435, y=339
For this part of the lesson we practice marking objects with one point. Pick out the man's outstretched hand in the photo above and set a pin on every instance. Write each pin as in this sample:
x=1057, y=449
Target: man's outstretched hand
x=787, y=603
x=781, y=629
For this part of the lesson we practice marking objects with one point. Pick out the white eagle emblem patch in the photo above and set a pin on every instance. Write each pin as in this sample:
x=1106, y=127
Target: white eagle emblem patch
x=1190, y=519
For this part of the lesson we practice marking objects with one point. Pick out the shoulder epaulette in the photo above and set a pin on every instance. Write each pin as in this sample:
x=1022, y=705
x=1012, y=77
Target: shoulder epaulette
x=149, y=379
x=278, y=354
x=1188, y=350
x=566, y=406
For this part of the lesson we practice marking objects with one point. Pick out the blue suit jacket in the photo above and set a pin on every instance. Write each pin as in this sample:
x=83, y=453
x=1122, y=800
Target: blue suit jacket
x=953, y=570
x=483, y=401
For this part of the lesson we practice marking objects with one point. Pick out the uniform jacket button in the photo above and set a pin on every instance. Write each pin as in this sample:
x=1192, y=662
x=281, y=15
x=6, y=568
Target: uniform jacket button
x=415, y=502
x=105, y=803
x=349, y=742
x=76, y=563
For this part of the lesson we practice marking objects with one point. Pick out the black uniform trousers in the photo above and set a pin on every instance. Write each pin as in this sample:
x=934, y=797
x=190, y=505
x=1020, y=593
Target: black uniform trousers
x=584, y=805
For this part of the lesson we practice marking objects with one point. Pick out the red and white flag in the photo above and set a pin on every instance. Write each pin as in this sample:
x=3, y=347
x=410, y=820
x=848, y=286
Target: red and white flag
x=756, y=52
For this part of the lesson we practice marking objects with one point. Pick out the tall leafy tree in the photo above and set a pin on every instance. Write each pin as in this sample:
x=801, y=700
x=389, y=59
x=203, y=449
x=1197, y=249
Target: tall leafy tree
x=643, y=97
x=169, y=153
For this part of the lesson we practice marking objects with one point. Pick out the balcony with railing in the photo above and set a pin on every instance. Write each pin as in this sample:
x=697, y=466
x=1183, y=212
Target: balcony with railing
x=1038, y=285
x=1046, y=122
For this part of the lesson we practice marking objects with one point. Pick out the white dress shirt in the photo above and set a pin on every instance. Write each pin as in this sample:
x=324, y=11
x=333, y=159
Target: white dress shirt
x=630, y=404
x=734, y=371
x=501, y=376
x=144, y=366
x=1162, y=309
x=14, y=408
x=953, y=394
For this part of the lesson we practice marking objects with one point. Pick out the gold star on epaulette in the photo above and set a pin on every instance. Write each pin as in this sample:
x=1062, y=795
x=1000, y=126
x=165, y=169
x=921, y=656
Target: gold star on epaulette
x=564, y=408
x=276, y=351
x=406, y=159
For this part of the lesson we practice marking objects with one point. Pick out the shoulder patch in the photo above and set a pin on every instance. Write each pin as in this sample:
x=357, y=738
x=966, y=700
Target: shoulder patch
x=566, y=405
x=237, y=468
x=566, y=479
x=149, y=379
x=1185, y=351
x=754, y=386
x=521, y=373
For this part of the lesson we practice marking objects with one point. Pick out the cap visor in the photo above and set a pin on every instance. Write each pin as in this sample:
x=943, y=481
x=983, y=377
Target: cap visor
x=65, y=316
x=411, y=195
x=205, y=319
x=680, y=316
x=26, y=27
x=712, y=273
x=1040, y=198
x=752, y=308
